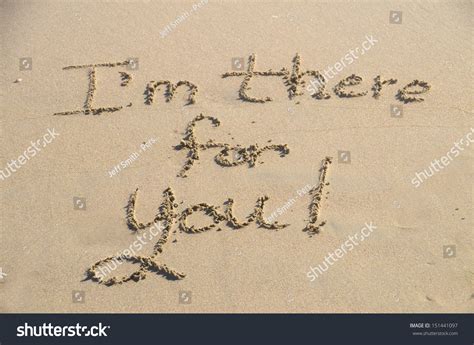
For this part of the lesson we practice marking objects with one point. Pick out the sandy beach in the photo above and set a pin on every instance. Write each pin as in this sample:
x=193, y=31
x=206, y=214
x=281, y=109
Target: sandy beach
x=350, y=124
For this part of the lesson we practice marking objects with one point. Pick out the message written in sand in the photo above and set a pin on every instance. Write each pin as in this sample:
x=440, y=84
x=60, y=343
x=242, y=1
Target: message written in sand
x=167, y=214
x=241, y=154
x=167, y=211
x=293, y=80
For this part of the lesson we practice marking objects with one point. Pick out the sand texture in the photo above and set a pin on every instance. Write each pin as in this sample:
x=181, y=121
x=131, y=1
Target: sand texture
x=189, y=156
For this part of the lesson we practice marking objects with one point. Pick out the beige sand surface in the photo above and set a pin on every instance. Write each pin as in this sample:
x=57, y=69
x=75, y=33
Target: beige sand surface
x=46, y=245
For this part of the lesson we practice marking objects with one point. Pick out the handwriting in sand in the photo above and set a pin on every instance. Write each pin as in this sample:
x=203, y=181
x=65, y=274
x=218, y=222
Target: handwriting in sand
x=293, y=80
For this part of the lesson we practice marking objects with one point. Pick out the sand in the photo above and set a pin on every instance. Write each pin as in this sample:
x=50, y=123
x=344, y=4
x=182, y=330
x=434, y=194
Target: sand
x=122, y=123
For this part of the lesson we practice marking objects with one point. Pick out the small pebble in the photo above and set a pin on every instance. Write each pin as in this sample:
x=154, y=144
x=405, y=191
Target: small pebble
x=19, y=80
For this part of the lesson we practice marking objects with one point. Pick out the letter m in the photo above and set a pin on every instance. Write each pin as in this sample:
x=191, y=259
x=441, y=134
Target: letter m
x=170, y=90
